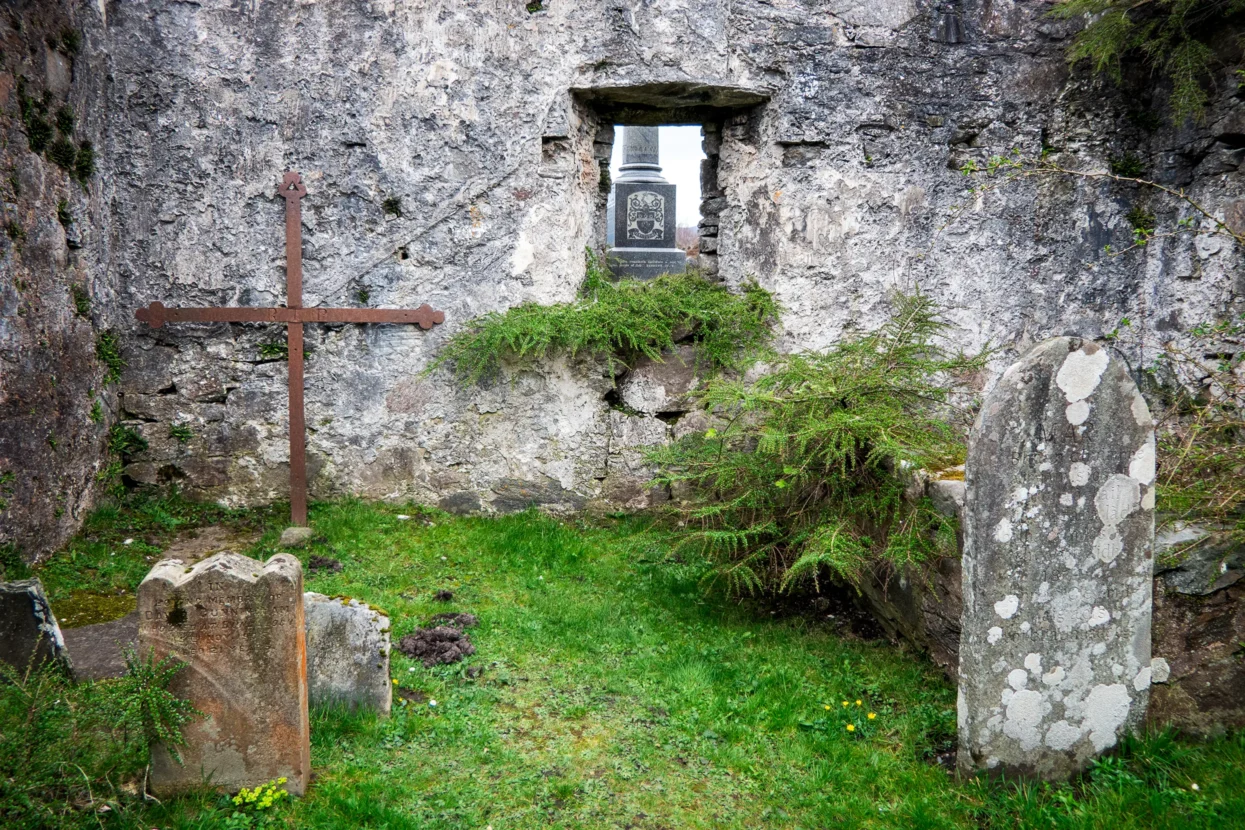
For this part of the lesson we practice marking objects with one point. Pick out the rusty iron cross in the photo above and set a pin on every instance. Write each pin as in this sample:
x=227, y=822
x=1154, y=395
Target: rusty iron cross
x=293, y=315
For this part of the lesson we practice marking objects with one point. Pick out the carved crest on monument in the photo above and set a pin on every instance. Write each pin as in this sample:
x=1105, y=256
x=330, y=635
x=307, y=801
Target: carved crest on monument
x=646, y=215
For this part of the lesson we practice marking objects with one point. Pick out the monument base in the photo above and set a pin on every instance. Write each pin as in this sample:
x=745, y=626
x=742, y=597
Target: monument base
x=645, y=263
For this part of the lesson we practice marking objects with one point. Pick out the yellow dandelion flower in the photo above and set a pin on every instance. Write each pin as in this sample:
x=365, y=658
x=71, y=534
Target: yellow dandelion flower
x=395, y=682
x=858, y=703
x=846, y=704
x=872, y=715
x=851, y=727
x=827, y=706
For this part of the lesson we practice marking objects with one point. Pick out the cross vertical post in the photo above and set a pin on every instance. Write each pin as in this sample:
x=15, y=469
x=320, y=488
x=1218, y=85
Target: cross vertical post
x=294, y=316
x=293, y=190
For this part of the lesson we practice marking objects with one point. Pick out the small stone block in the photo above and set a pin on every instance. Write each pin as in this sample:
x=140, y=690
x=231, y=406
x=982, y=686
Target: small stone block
x=347, y=654
x=1058, y=560
x=29, y=634
x=295, y=537
x=238, y=626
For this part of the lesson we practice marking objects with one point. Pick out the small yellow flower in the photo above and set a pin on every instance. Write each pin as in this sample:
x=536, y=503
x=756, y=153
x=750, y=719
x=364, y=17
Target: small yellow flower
x=858, y=703
x=827, y=706
x=395, y=682
x=872, y=715
x=846, y=704
x=851, y=727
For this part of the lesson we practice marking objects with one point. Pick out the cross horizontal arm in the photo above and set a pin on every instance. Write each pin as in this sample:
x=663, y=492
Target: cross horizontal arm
x=157, y=314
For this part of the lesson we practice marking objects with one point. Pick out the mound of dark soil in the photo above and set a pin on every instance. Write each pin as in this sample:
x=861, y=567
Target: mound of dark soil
x=438, y=645
x=443, y=596
x=323, y=563
x=459, y=621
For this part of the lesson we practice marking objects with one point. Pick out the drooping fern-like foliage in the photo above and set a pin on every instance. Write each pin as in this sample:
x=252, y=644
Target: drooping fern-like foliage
x=1170, y=37
x=619, y=320
x=806, y=469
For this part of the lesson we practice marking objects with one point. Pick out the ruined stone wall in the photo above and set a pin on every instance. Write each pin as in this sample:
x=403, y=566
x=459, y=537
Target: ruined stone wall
x=55, y=297
x=842, y=185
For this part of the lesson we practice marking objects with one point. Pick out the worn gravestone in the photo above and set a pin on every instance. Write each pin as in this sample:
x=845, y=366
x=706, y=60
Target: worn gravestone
x=347, y=653
x=29, y=634
x=1058, y=561
x=238, y=626
x=643, y=216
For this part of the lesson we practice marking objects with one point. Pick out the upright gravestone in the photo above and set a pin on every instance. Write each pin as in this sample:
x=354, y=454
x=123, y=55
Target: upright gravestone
x=29, y=635
x=347, y=654
x=238, y=625
x=643, y=215
x=1058, y=561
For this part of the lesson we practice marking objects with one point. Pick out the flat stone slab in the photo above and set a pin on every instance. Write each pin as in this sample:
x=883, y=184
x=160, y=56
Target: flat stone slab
x=99, y=650
x=238, y=625
x=205, y=541
x=29, y=634
x=347, y=653
x=1058, y=562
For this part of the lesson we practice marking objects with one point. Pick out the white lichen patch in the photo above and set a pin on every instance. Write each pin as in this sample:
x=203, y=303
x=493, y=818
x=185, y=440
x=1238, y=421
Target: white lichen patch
x=1147, y=501
x=1003, y=531
x=1077, y=413
x=1099, y=616
x=1141, y=412
x=1007, y=606
x=1062, y=735
x=1017, y=679
x=1141, y=466
x=1054, y=677
x=1117, y=499
x=1066, y=499
x=1106, y=710
x=1033, y=662
x=994, y=635
x=1078, y=474
x=1160, y=670
x=1142, y=681
x=1081, y=373
x=1023, y=718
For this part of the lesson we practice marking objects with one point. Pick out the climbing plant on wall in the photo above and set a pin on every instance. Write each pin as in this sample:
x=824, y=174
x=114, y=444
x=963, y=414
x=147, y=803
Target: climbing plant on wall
x=618, y=320
x=1171, y=38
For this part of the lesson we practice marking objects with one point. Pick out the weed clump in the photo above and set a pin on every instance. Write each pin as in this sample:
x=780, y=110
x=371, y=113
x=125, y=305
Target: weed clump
x=108, y=350
x=125, y=441
x=84, y=164
x=620, y=320
x=806, y=468
x=1171, y=38
x=69, y=749
x=1129, y=165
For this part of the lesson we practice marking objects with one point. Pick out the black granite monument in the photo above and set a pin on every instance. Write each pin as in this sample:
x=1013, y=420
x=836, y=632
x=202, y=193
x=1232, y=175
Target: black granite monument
x=643, y=216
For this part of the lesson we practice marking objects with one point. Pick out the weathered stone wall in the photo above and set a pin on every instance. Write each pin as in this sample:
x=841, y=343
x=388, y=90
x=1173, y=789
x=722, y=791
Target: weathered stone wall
x=55, y=296
x=841, y=186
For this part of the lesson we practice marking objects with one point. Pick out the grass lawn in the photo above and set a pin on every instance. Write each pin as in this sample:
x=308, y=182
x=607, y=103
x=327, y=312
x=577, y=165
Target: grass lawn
x=609, y=689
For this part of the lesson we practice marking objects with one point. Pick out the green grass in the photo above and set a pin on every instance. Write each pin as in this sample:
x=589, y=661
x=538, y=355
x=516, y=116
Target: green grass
x=615, y=693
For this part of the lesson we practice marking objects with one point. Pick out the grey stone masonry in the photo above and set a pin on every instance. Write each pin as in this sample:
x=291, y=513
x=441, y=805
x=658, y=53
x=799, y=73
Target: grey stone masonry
x=1058, y=557
x=347, y=653
x=238, y=626
x=29, y=634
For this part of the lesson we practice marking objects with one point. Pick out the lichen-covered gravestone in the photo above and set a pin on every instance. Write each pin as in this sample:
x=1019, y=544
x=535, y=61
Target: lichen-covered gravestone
x=29, y=634
x=238, y=625
x=347, y=654
x=1058, y=540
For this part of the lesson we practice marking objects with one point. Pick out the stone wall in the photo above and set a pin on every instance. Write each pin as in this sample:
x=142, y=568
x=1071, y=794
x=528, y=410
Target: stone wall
x=843, y=125
x=55, y=295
